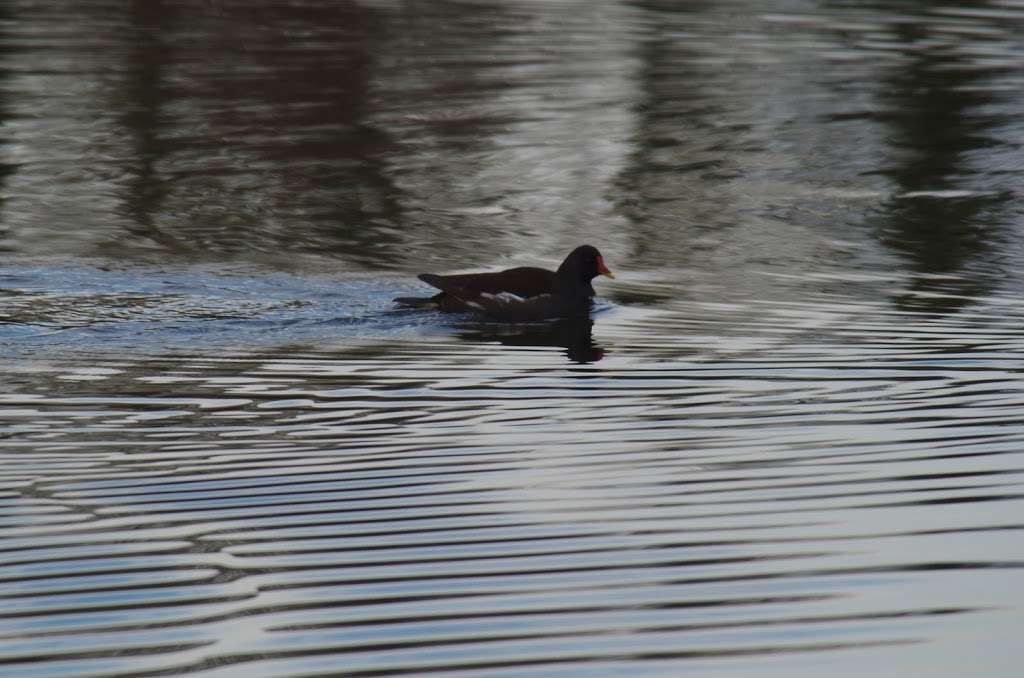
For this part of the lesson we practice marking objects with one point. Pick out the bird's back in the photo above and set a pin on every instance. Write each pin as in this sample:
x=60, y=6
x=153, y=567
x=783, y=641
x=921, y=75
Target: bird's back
x=525, y=282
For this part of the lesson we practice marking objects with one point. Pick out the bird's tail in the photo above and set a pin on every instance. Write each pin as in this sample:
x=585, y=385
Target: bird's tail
x=417, y=302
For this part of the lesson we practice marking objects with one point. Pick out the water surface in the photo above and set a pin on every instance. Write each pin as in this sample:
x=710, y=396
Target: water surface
x=786, y=442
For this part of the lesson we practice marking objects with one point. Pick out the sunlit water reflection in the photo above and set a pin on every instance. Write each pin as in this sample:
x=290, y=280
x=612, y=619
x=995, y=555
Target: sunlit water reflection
x=788, y=442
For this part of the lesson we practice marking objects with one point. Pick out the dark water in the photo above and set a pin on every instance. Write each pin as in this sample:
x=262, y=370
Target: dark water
x=788, y=443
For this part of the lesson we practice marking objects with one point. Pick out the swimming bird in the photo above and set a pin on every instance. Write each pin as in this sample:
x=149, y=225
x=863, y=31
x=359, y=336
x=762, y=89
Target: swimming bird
x=519, y=294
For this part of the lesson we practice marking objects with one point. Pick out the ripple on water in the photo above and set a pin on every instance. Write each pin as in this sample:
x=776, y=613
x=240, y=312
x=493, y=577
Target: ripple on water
x=74, y=309
x=711, y=488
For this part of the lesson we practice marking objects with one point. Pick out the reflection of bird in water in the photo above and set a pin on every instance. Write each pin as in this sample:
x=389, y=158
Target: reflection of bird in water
x=519, y=294
x=574, y=334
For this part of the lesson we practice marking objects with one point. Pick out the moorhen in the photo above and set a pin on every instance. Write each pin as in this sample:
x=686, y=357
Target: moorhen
x=519, y=294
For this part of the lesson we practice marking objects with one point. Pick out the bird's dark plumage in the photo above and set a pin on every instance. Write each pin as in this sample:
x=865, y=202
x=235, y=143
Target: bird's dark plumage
x=524, y=293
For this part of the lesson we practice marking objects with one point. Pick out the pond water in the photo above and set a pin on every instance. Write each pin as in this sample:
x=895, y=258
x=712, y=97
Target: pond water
x=788, y=440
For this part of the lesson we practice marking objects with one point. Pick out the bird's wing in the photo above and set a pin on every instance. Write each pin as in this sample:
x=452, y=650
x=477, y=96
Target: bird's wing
x=511, y=307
